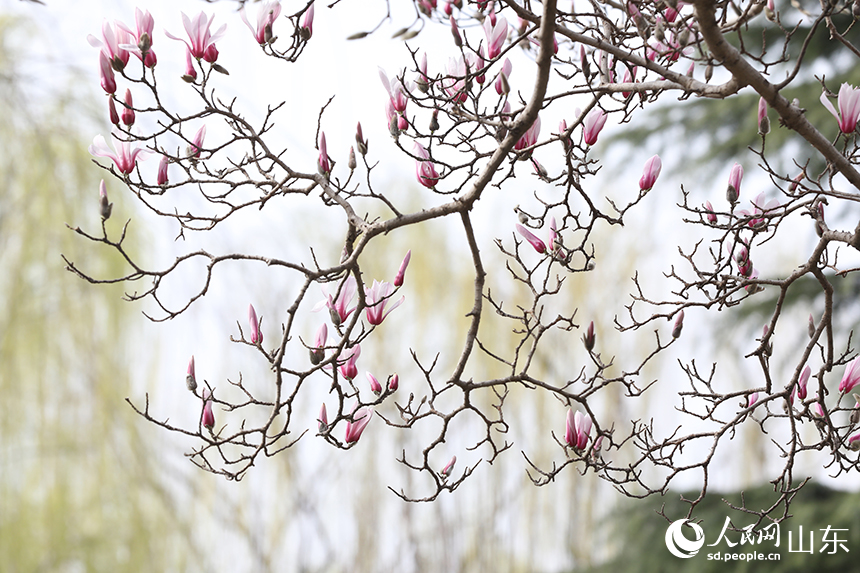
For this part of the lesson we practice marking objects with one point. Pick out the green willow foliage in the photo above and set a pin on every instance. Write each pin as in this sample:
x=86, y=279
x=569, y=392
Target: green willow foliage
x=78, y=489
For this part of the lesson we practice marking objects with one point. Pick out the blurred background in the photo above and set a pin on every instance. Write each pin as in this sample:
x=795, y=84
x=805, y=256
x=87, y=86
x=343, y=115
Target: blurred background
x=86, y=485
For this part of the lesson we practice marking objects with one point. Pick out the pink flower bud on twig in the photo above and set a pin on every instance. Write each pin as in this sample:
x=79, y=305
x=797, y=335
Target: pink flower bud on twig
x=322, y=419
x=650, y=173
x=256, y=334
x=190, y=379
x=401, y=272
x=361, y=417
x=127, y=115
x=535, y=242
x=375, y=386
x=393, y=383
x=449, y=467
x=588, y=338
x=679, y=324
x=105, y=207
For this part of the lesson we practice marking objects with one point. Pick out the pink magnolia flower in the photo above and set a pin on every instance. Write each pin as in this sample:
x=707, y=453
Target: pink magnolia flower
x=339, y=309
x=197, y=142
x=594, y=122
x=106, y=76
x=128, y=112
x=535, y=242
x=752, y=399
x=401, y=272
x=378, y=296
x=322, y=419
x=577, y=429
x=200, y=38
x=497, y=33
x=324, y=161
x=760, y=207
x=307, y=28
x=449, y=467
x=124, y=159
x=114, y=38
x=802, y=382
x=396, y=91
x=733, y=190
x=530, y=137
x=650, y=173
x=849, y=107
x=454, y=83
x=851, y=377
x=347, y=361
x=162, y=170
x=425, y=170
x=256, y=334
x=266, y=17
x=375, y=386
x=208, y=414
x=393, y=382
x=190, y=379
x=190, y=73
x=818, y=410
x=361, y=417
x=318, y=349
x=502, y=86
x=141, y=39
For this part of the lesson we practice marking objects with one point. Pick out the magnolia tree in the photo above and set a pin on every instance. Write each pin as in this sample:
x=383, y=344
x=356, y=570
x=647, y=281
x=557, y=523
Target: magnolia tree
x=468, y=133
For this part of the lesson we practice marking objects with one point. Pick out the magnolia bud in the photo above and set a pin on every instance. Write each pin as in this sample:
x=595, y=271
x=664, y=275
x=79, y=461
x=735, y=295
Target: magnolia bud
x=351, y=164
x=317, y=355
x=190, y=380
x=446, y=471
x=323, y=419
x=679, y=324
x=810, y=328
x=709, y=73
x=588, y=338
x=104, y=207
x=434, y=120
x=335, y=317
x=393, y=382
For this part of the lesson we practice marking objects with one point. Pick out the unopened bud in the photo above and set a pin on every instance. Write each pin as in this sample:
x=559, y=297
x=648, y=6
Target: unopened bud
x=855, y=8
x=588, y=338
x=220, y=69
x=679, y=324
x=322, y=420
x=393, y=382
x=335, y=317
x=810, y=328
x=317, y=355
x=731, y=194
x=144, y=44
x=709, y=73
x=105, y=208
x=351, y=164
x=434, y=120
x=458, y=41
x=446, y=471
x=114, y=116
x=190, y=380
x=392, y=127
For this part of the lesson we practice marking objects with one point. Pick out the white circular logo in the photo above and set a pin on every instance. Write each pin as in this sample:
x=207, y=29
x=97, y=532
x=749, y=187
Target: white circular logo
x=680, y=546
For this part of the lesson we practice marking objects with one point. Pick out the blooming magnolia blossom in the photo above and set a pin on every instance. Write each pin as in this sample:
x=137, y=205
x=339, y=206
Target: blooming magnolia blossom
x=577, y=429
x=339, y=309
x=530, y=137
x=535, y=242
x=125, y=158
x=650, y=173
x=594, y=122
x=354, y=429
x=425, y=171
x=454, y=83
x=347, y=361
x=114, y=37
x=141, y=44
x=848, y=101
x=256, y=334
x=266, y=17
x=401, y=272
x=496, y=33
x=760, y=207
x=201, y=40
x=851, y=376
x=378, y=296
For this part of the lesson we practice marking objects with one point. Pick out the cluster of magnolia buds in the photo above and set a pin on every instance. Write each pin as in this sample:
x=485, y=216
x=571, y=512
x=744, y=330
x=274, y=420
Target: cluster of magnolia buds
x=555, y=241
